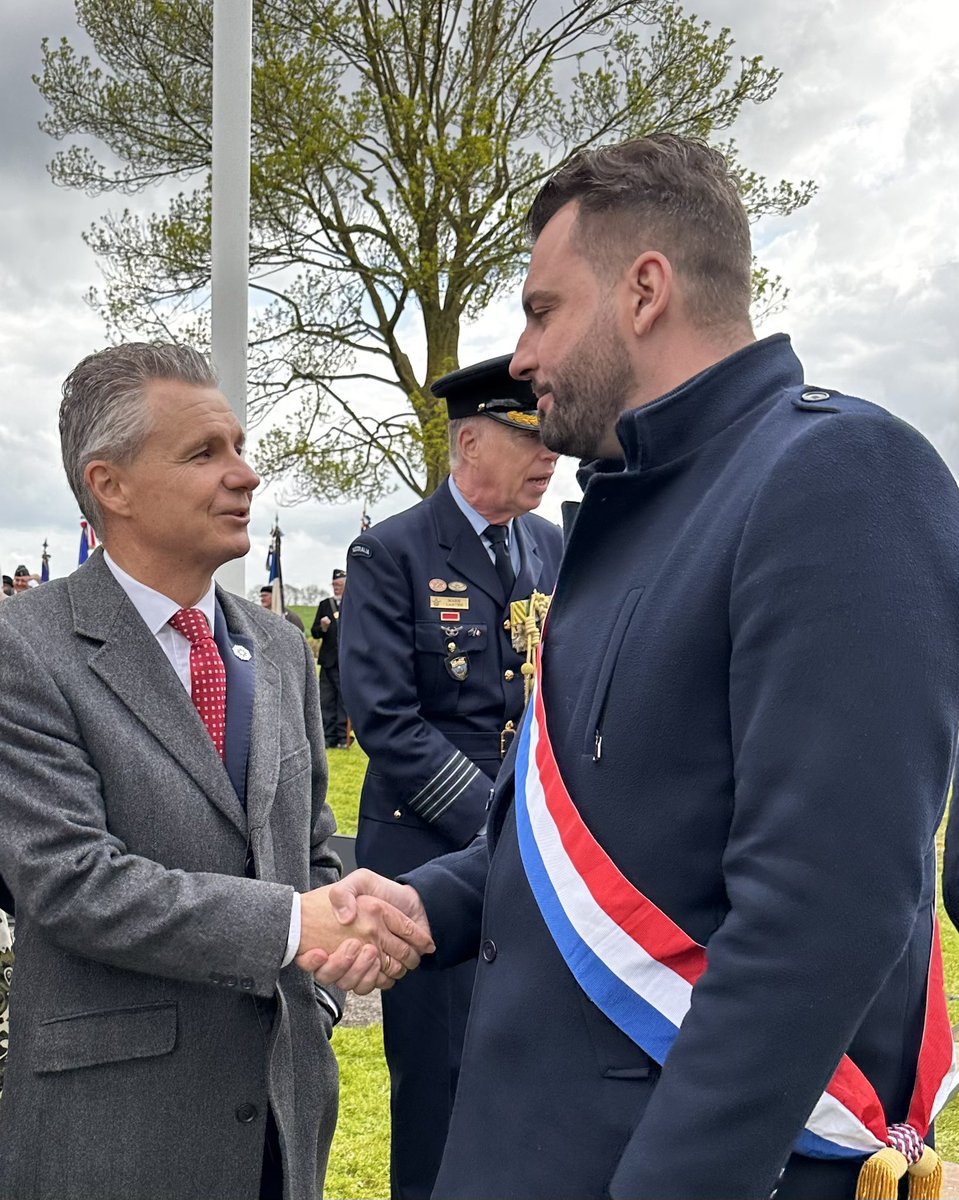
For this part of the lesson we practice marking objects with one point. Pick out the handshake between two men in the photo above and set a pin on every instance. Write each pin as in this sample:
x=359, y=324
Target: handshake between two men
x=363, y=932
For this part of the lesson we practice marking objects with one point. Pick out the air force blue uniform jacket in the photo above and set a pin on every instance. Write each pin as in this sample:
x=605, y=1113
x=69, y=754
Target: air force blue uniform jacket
x=752, y=691
x=431, y=679
x=430, y=675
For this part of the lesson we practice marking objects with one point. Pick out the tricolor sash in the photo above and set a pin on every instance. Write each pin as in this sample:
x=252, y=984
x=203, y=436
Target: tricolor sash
x=640, y=968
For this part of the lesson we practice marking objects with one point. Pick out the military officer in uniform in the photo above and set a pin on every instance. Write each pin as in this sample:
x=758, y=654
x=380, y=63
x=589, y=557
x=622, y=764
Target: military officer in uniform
x=433, y=685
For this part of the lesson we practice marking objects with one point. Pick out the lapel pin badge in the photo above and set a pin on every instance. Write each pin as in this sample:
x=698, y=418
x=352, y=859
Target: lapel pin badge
x=242, y=653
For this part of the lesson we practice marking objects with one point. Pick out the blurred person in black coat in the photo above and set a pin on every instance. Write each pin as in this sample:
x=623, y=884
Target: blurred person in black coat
x=326, y=630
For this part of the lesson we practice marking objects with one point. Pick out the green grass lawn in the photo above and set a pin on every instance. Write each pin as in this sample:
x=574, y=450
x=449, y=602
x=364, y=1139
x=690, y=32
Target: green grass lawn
x=347, y=769
x=360, y=1157
x=306, y=613
x=359, y=1162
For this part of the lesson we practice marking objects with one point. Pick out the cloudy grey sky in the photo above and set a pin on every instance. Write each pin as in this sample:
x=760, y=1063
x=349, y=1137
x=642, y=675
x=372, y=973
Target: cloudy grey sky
x=868, y=107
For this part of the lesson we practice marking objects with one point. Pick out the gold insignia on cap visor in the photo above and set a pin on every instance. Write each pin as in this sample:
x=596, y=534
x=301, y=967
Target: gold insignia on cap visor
x=524, y=418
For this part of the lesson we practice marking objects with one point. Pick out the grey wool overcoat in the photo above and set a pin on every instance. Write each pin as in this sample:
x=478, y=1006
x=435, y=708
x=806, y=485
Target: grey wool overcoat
x=151, y=1024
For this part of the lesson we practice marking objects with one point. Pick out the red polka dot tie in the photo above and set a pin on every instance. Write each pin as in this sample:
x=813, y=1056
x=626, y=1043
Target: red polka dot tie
x=207, y=673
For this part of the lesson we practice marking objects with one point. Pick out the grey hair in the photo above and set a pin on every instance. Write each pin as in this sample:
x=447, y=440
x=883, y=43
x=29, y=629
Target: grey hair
x=103, y=413
x=456, y=427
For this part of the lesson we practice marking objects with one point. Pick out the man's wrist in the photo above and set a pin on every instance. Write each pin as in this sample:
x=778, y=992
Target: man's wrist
x=293, y=937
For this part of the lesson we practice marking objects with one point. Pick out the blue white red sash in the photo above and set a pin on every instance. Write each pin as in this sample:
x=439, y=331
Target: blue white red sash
x=640, y=968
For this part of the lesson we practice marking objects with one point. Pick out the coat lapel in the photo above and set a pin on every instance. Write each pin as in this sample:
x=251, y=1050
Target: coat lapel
x=128, y=655
x=239, y=661
x=264, y=745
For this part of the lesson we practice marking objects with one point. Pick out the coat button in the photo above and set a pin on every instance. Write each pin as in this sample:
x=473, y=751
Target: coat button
x=508, y=675
x=506, y=624
x=489, y=950
x=397, y=812
x=246, y=1113
x=451, y=646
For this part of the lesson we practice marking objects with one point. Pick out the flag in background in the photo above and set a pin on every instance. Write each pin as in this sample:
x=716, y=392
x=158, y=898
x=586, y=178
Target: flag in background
x=365, y=521
x=45, y=564
x=274, y=567
x=88, y=540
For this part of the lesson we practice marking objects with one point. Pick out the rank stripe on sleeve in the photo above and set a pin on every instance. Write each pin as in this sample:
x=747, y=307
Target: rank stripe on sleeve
x=639, y=967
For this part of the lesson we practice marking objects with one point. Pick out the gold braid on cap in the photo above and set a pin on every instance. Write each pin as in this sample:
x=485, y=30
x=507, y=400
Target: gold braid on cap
x=524, y=418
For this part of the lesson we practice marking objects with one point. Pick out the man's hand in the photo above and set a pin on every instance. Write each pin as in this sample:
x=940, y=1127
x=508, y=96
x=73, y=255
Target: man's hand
x=354, y=936
x=324, y=623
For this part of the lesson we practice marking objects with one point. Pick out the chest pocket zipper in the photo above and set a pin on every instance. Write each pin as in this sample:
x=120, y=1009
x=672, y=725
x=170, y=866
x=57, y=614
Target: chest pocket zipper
x=597, y=714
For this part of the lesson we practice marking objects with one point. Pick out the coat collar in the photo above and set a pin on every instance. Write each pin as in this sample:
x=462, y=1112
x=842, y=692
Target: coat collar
x=689, y=416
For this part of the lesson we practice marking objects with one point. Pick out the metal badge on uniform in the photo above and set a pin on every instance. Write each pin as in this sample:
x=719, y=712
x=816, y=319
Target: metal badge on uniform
x=458, y=666
x=457, y=585
x=506, y=738
x=437, y=585
x=242, y=653
x=461, y=602
x=815, y=397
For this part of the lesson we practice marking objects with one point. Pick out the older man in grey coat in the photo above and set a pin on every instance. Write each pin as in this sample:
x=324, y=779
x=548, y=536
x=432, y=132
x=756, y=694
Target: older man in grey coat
x=165, y=831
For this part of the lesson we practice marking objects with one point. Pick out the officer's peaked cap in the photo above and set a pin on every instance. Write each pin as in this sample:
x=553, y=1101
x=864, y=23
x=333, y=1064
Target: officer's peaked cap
x=487, y=389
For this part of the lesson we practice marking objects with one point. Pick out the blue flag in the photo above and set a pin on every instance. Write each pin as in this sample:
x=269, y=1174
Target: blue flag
x=88, y=541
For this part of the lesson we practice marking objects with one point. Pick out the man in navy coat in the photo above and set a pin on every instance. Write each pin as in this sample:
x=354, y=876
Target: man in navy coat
x=434, y=687
x=759, y=734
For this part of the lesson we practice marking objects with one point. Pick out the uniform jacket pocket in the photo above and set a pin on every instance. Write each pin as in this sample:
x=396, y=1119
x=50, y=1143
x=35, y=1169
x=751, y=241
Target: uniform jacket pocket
x=112, y=1035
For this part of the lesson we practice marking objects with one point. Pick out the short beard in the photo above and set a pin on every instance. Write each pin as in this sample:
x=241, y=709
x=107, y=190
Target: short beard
x=589, y=389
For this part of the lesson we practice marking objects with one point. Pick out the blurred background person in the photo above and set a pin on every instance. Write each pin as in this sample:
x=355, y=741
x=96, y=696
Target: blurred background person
x=326, y=630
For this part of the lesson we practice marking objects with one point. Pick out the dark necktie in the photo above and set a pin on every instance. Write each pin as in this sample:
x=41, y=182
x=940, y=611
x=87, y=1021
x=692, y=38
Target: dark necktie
x=496, y=536
x=207, y=673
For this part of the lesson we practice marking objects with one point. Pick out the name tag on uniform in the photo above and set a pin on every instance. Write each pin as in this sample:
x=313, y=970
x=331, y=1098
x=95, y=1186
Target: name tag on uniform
x=460, y=602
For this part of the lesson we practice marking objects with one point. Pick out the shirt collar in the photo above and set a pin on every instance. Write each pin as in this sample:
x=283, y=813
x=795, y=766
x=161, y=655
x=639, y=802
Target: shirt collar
x=155, y=608
x=477, y=520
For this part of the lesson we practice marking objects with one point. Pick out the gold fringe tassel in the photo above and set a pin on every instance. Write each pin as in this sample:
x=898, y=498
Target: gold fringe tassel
x=925, y=1177
x=880, y=1175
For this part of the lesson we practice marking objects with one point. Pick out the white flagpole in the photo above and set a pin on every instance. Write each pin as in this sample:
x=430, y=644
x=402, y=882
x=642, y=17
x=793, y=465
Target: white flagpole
x=232, y=78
